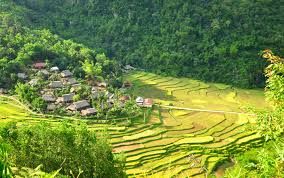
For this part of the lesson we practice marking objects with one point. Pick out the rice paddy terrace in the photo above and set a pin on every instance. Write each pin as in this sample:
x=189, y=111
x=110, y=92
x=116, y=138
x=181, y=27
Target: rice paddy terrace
x=194, y=127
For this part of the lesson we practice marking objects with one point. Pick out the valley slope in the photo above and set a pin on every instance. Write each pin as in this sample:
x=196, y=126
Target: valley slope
x=172, y=142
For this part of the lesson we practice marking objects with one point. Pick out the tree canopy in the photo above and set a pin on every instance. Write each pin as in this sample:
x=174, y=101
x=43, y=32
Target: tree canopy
x=200, y=39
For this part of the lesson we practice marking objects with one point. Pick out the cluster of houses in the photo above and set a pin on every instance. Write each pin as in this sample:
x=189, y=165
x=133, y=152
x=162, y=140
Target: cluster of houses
x=59, y=80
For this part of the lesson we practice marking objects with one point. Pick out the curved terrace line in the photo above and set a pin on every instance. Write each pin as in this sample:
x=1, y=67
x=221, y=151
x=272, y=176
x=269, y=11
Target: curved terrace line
x=205, y=110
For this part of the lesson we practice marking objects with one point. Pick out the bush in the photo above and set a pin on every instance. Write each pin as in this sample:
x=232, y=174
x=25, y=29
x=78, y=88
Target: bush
x=68, y=147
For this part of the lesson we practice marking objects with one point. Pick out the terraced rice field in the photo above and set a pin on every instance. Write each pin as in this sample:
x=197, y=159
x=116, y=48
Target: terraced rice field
x=174, y=142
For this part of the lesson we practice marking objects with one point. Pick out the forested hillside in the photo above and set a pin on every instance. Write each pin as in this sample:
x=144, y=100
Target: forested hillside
x=21, y=46
x=211, y=40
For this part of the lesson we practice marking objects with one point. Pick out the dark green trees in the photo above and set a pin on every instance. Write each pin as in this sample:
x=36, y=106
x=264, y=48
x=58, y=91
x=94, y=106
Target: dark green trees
x=210, y=40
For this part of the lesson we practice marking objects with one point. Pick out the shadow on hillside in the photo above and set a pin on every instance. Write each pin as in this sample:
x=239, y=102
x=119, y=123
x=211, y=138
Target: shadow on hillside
x=151, y=91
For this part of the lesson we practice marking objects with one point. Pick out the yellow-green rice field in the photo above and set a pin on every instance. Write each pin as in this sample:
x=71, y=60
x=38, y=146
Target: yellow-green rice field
x=192, y=128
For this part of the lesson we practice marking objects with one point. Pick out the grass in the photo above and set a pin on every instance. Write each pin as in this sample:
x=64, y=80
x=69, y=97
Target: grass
x=162, y=147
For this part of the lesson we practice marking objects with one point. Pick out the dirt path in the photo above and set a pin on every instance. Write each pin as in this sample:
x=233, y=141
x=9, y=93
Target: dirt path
x=204, y=110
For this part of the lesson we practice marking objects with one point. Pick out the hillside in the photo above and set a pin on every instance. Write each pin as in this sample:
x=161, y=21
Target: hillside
x=209, y=40
x=170, y=142
x=151, y=88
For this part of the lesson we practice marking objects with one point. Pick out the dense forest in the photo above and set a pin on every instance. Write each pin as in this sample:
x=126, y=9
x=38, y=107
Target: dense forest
x=209, y=40
x=21, y=46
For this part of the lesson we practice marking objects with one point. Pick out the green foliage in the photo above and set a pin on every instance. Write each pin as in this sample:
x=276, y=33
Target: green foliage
x=131, y=109
x=264, y=162
x=73, y=149
x=20, y=46
x=210, y=40
x=5, y=167
x=30, y=94
x=91, y=69
x=275, y=82
x=271, y=124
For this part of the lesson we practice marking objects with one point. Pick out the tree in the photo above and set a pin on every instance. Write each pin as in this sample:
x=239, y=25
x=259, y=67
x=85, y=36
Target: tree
x=92, y=70
x=275, y=79
x=267, y=161
x=271, y=124
x=73, y=148
x=30, y=94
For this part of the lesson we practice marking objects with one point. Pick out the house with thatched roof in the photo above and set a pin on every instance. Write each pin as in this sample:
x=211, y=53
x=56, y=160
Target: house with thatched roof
x=124, y=98
x=71, y=81
x=48, y=98
x=44, y=72
x=33, y=82
x=75, y=88
x=79, y=105
x=94, y=89
x=109, y=95
x=102, y=84
x=66, y=73
x=66, y=98
x=3, y=91
x=56, y=84
x=54, y=69
x=88, y=112
x=127, y=84
x=51, y=107
x=22, y=76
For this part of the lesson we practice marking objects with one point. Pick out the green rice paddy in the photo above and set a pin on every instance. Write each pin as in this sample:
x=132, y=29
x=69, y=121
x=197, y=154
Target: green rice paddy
x=176, y=142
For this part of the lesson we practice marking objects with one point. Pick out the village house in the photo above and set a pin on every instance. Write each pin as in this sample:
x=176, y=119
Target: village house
x=44, y=72
x=66, y=98
x=139, y=101
x=66, y=73
x=75, y=88
x=54, y=69
x=56, y=84
x=148, y=102
x=102, y=84
x=109, y=95
x=22, y=76
x=39, y=65
x=33, y=82
x=51, y=107
x=71, y=81
x=79, y=105
x=127, y=84
x=124, y=98
x=48, y=98
x=3, y=91
x=46, y=91
x=95, y=89
x=88, y=112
